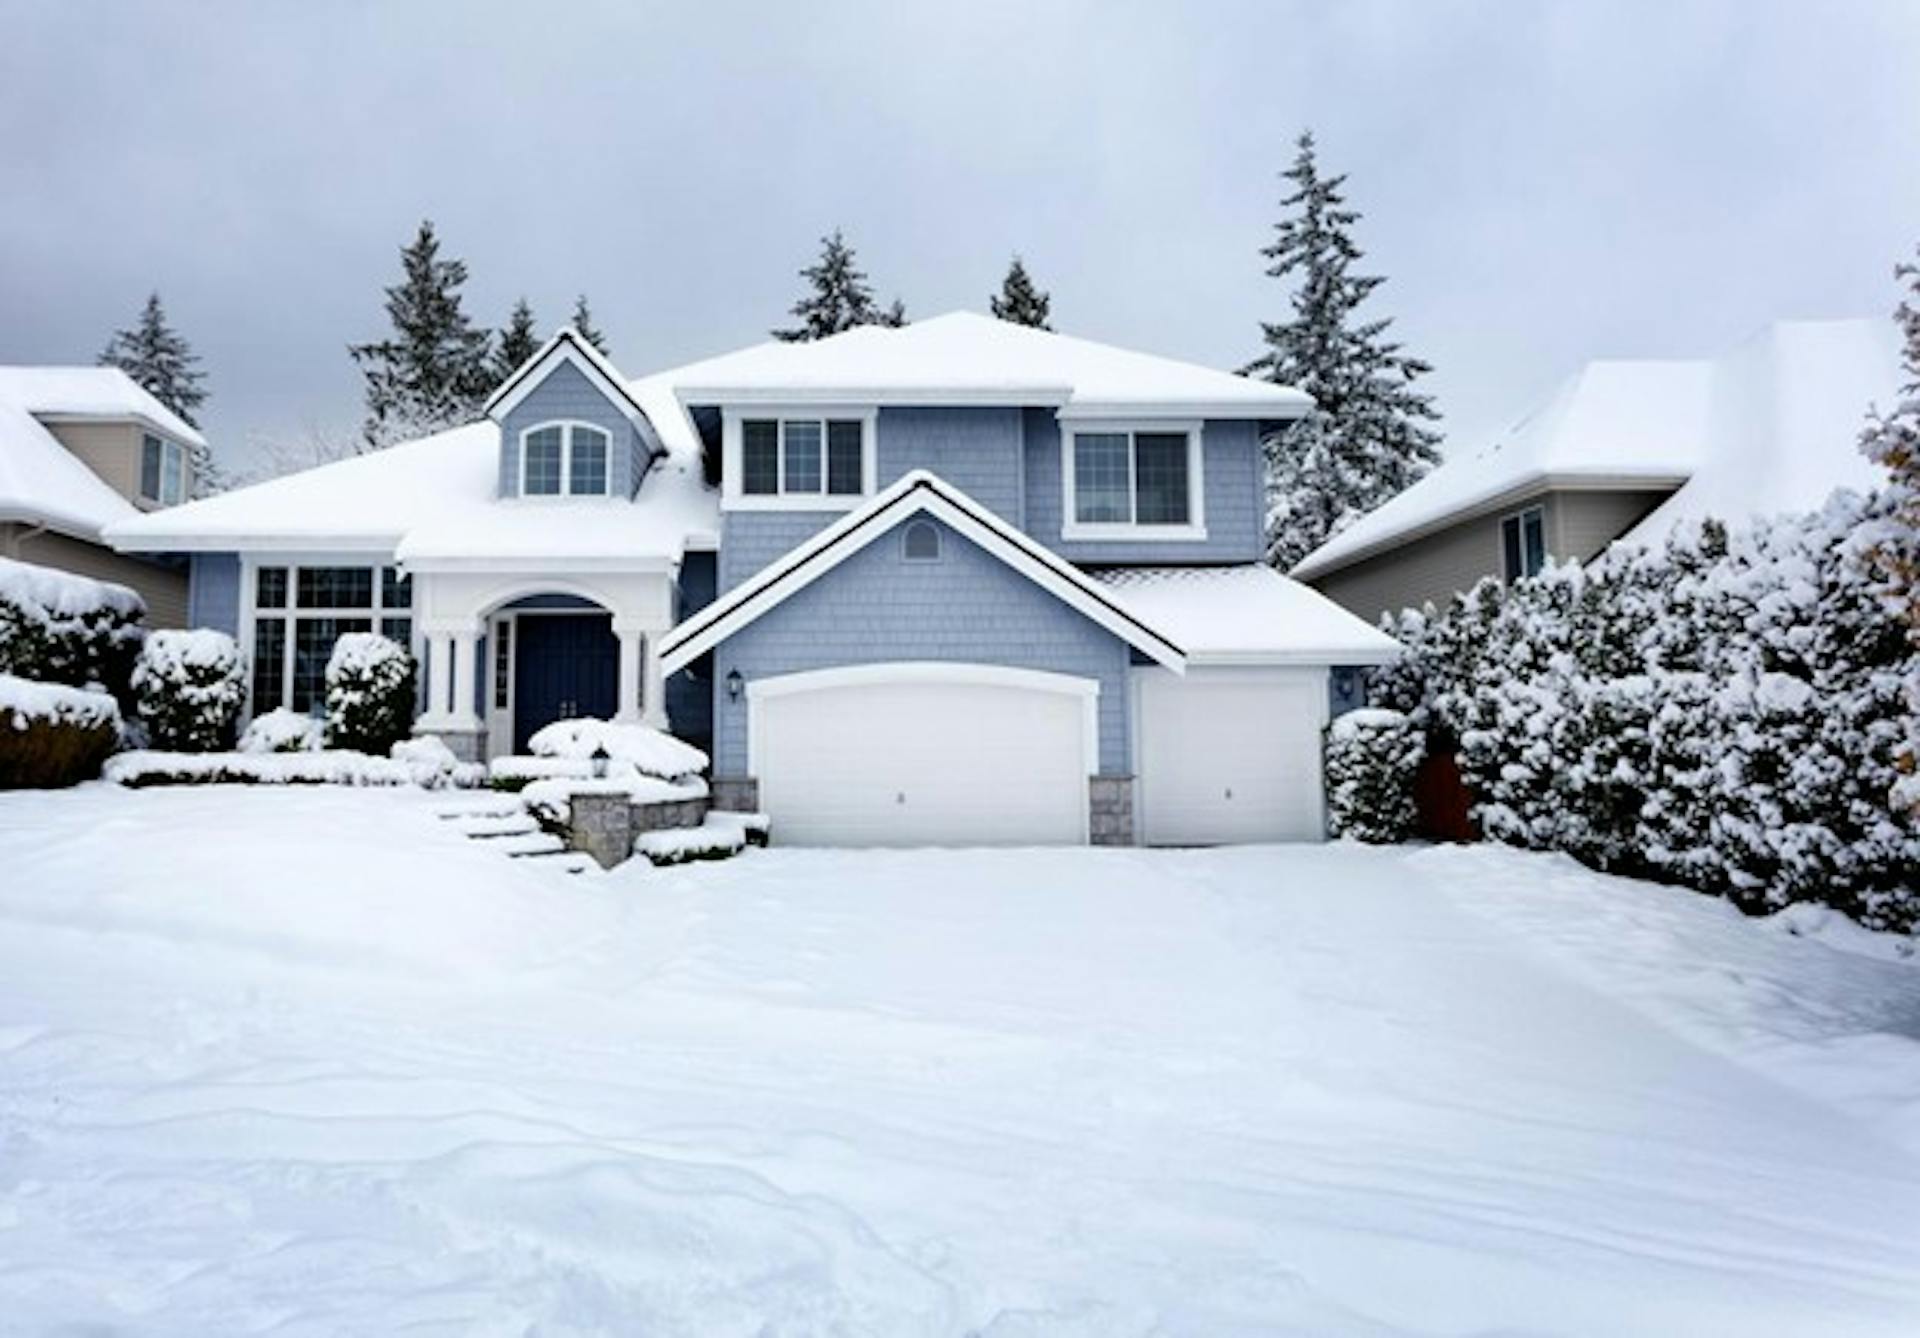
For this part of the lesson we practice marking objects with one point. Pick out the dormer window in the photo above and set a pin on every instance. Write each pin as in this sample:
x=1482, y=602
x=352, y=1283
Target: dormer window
x=163, y=470
x=570, y=459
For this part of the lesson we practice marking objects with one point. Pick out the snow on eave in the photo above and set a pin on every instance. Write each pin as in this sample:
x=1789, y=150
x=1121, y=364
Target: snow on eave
x=68, y=394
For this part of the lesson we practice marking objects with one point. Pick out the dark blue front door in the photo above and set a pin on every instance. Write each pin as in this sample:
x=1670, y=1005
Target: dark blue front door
x=566, y=665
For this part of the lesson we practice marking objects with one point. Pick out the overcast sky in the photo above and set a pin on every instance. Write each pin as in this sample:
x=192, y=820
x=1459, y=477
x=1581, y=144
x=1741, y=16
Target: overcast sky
x=1542, y=184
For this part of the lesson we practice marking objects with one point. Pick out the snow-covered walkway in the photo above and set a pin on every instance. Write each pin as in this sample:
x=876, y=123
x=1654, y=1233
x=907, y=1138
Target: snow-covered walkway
x=311, y=1062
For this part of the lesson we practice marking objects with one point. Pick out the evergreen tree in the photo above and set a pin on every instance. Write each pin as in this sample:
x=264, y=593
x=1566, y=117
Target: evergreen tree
x=584, y=327
x=1893, y=544
x=517, y=342
x=1366, y=439
x=159, y=358
x=1019, y=301
x=839, y=298
x=432, y=372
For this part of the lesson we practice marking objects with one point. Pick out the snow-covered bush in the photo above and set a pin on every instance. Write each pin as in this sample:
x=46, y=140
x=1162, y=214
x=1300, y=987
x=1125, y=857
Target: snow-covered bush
x=1725, y=711
x=652, y=752
x=369, y=693
x=281, y=731
x=51, y=734
x=188, y=688
x=1372, y=757
x=56, y=627
x=425, y=767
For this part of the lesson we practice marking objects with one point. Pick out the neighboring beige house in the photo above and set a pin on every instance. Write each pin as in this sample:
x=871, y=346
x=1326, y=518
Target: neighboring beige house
x=1622, y=450
x=81, y=448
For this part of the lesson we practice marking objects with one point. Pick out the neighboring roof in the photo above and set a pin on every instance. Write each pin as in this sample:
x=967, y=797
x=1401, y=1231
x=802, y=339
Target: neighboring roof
x=914, y=493
x=569, y=345
x=967, y=358
x=434, y=503
x=41, y=481
x=1246, y=615
x=91, y=393
x=1771, y=426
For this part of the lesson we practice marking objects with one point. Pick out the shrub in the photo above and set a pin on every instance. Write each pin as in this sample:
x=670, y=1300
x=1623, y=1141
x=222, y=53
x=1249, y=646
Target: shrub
x=56, y=627
x=51, y=734
x=1372, y=757
x=281, y=731
x=188, y=688
x=369, y=694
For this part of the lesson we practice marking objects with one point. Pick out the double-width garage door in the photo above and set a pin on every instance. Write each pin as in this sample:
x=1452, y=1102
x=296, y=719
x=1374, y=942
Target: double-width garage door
x=1228, y=755
x=924, y=754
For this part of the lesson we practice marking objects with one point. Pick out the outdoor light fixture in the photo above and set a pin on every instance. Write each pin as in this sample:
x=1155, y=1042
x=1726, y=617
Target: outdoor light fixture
x=733, y=685
x=600, y=759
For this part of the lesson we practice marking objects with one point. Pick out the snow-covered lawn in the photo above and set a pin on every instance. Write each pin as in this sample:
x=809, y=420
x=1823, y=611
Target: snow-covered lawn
x=310, y=1062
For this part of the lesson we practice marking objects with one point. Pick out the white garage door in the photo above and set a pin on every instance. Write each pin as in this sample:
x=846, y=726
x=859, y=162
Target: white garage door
x=1229, y=755
x=924, y=754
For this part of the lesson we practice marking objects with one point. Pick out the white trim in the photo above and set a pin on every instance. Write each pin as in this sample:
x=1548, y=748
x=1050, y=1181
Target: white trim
x=1193, y=529
x=565, y=346
x=731, y=477
x=805, y=398
x=914, y=493
x=932, y=671
x=1266, y=410
x=567, y=426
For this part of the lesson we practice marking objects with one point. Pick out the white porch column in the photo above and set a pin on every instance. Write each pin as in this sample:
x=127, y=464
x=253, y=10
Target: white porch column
x=632, y=649
x=464, y=646
x=450, y=669
x=655, y=694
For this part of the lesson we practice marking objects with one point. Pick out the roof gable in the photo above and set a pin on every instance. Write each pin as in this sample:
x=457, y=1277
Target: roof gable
x=916, y=493
x=568, y=346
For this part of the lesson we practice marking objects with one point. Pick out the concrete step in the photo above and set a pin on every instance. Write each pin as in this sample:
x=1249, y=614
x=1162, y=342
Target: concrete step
x=532, y=843
x=491, y=826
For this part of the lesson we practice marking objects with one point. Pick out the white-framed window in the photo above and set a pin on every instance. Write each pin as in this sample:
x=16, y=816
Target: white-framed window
x=298, y=611
x=1523, y=543
x=163, y=470
x=565, y=459
x=1131, y=481
x=797, y=460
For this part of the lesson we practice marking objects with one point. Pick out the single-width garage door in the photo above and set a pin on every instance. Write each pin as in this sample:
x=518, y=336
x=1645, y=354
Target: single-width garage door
x=1229, y=755
x=924, y=754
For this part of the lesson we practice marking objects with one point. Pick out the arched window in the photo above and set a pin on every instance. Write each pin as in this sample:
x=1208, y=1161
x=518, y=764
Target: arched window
x=572, y=458
x=922, y=542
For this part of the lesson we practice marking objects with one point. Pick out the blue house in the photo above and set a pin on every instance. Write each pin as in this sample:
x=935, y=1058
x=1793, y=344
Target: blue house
x=957, y=582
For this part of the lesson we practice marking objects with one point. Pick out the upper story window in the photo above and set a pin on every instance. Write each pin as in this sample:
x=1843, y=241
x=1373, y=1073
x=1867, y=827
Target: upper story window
x=1523, y=543
x=798, y=461
x=573, y=459
x=1126, y=481
x=163, y=470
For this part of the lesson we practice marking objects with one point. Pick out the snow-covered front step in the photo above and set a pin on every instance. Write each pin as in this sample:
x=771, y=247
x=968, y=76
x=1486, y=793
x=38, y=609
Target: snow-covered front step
x=489, y=826
x=495, y=806
x=531, y=843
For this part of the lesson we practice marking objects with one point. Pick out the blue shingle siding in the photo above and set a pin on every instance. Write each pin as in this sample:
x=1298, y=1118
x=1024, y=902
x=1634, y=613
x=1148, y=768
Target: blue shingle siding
x=749, y=540
x=977, y=450
x=966, y=607
x=566, y=393
x=213, y=593
x=1230, y=463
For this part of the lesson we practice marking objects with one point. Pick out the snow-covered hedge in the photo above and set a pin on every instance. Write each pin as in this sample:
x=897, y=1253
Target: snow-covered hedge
x=369, y=693
x=282, y=731
x=1372, y=757
x=424, y=762
x=1724, y=712
x=721, y=835
x=52, y=734
x=189, y=688
x=56, y=627
x=650, y=751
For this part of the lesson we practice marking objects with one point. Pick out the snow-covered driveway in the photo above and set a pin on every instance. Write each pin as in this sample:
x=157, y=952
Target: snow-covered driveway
x=308, y=1062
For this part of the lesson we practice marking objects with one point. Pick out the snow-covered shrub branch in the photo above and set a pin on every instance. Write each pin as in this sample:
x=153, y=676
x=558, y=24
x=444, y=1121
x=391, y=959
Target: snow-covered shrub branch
x=1372, y=757
x=189, y=688
x=1725, y=712
x=56, y=627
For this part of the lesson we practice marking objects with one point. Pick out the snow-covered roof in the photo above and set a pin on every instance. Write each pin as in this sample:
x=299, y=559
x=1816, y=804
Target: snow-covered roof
x=1246, y=615
x=91, y=393
x=435, y=502
x=1771, y=426
x=966, y=358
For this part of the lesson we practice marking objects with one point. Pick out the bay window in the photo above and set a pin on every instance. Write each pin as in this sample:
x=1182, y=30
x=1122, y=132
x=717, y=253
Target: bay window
x=300, y=611
x=1129, y=482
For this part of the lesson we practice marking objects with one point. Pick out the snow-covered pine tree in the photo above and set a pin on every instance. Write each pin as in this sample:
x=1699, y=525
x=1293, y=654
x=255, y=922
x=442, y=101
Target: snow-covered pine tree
x=1366, y=440
x=159, y=357
x=583, y=324
x=839, y=298
x=432, y=372
x=517, y=342
x=1019, y=301
x=1893, y=542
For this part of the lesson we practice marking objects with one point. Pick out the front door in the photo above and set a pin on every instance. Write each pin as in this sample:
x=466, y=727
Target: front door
x=566, y=665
